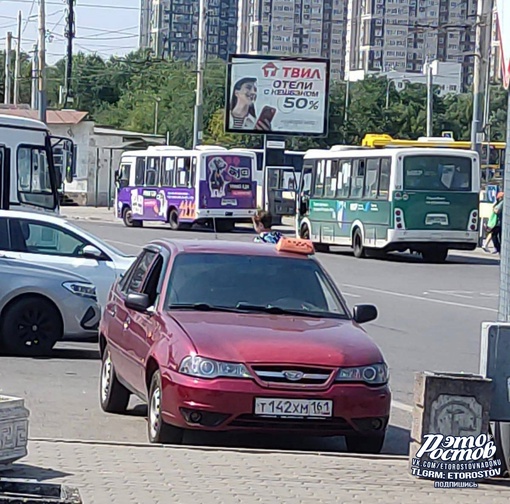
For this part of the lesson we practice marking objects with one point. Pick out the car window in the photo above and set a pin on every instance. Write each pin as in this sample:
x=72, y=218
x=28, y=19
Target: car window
x=41, y=238
x=4, y=237
x=225, y=280
x=152, y=282
x=139, y=272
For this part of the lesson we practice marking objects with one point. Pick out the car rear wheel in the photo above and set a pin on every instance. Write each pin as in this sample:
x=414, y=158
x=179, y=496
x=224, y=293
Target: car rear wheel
x=158, y=430
x=364, y=444
x=114, y=397
x=30, y=326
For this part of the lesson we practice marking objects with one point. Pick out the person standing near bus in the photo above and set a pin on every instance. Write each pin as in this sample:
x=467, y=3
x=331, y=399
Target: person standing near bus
x=495, y=224
x=262, y=223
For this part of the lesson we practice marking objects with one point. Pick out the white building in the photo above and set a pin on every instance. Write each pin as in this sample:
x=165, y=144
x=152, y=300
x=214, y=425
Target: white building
x=446, y=76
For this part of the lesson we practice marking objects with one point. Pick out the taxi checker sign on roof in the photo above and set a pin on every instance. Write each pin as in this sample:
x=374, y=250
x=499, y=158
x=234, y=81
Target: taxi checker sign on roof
x=283, y=96
x=503, y=14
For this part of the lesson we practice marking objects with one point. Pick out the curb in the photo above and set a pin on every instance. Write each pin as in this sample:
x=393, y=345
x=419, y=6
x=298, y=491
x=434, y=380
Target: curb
x=260, y=451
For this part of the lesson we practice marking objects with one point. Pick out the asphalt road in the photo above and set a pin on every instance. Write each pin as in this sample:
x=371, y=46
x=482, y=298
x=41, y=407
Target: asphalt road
x=430, y=318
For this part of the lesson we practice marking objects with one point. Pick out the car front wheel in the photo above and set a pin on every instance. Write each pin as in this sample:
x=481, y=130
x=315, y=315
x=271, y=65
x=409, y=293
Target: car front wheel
x=158, y=430
x=364, y=444
x=113, y=395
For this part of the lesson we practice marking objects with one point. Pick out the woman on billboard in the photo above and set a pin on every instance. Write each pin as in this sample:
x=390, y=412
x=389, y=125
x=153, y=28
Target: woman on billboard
x=242, y=107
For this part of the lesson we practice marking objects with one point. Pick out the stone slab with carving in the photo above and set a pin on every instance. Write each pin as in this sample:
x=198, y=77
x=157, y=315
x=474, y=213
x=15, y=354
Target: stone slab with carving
x=13, y=430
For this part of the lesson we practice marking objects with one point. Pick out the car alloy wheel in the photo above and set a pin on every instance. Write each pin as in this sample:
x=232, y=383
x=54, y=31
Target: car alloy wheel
x=114, y=397
x=158, y=430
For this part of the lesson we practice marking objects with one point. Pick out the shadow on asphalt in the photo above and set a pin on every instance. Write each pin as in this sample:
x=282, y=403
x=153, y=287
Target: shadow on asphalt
x=402, y=257
x=25, y=471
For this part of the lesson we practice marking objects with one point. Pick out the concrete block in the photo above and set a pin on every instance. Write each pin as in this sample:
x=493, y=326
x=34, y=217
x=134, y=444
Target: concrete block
x=452, y=404
x=13, y=430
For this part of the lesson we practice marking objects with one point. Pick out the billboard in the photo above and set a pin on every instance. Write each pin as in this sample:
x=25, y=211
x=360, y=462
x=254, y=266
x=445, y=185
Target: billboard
x=503, y=14
x=277, y=95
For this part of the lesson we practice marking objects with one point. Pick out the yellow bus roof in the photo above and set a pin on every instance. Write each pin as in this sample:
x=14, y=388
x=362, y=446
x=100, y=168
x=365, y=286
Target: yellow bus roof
x=377, y=140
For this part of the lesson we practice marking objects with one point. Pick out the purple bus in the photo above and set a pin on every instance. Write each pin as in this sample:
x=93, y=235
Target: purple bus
x=209, y=185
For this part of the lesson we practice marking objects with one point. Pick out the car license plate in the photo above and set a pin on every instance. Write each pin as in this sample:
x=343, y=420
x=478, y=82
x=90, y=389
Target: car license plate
x=292, y=408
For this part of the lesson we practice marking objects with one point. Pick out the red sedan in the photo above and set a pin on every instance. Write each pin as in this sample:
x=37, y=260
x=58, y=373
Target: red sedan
x=222, y=336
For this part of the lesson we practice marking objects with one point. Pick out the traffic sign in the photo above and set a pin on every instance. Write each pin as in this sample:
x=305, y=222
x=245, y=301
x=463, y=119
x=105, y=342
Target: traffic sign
x=447, y=134
x=503, y=14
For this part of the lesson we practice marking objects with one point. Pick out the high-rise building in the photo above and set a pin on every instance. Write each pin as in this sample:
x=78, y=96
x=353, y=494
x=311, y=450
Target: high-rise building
x=402, y=35
x=308, y=28
x=170, y=28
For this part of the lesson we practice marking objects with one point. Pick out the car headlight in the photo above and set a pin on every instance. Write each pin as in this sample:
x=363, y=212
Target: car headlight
x=81, y=289
x=208, y=368
x=376, y=374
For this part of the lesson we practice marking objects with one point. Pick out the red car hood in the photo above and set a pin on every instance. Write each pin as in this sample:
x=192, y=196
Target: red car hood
x=278, y=339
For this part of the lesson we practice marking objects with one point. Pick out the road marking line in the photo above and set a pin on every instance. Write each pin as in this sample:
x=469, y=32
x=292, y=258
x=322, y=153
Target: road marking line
x=452, y=293
x=124, y=243
x=351, y=295
x=421, y=298
x=402, y=406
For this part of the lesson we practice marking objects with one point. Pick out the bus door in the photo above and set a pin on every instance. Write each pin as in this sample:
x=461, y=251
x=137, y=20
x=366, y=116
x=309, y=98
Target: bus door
x=281, y=187
x=305, y=186
x=151, y=204
x=5, y=178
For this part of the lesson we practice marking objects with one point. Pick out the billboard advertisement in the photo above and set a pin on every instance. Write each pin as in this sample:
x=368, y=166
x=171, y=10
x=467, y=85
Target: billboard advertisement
x=277, y=95
x=503, y=14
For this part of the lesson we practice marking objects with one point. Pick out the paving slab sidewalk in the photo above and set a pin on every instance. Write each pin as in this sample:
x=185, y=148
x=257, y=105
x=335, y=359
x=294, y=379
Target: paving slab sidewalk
x=109, y=473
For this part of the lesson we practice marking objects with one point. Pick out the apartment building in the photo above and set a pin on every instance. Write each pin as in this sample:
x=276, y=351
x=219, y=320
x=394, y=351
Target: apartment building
x=308, y=28
x=170, y=28
x=402, y=35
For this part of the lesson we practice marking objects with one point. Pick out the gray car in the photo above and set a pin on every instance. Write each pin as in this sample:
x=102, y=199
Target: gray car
x=41, y=305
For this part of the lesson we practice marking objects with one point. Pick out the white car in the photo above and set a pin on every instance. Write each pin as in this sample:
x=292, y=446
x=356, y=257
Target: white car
x=55, y=242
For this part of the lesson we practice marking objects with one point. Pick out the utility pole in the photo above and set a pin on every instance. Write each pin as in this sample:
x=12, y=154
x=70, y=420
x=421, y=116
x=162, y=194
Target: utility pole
x=70, y=34
x=198, y=119
x=430, y=100
x=347, y=97
x=8, y=48
x=35, y=73
x=42, y=61
x=17, y=68
x=156, y=114
x=482, y=49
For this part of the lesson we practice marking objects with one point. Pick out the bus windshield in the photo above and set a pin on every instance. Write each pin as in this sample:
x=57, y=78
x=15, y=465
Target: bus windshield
x=437, y=173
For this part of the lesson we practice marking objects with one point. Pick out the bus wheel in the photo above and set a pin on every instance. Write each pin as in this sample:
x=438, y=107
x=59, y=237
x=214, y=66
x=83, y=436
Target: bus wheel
x=304, y=232
x=357, y=244
x=173, y=219
x=127, y=217
x=435, y=255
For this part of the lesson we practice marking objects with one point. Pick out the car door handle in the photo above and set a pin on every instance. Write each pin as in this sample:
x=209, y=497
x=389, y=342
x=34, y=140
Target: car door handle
x=127, y=322
x=113, y=311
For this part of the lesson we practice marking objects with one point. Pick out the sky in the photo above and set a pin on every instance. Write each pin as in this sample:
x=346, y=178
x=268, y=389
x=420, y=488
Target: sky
x=105, y=27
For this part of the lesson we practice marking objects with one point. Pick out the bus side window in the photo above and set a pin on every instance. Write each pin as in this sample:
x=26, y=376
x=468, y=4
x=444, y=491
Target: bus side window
x=125, y=172
x=372, y=178
x=140, y=172
x=193, y=173
x=358, y=178
x=344, y=180
x=167, y=172
x=319, y=179
x=332, y=178
x=151, y=174
x=384, y=178
x=183, y=171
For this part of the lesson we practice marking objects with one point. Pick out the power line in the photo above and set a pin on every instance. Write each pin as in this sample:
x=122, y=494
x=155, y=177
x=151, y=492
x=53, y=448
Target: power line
x=84, y=6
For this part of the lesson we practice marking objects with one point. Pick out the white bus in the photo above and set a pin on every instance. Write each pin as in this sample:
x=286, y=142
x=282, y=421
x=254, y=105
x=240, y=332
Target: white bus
x=29, y=177
x=209, y=185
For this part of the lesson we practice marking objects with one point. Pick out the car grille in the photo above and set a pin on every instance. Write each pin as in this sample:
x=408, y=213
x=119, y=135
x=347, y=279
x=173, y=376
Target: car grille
x=292, y=375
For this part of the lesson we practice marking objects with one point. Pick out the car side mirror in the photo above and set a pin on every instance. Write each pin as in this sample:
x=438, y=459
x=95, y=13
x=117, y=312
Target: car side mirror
x=364, y=313
x=138, y=302
x=91, y=252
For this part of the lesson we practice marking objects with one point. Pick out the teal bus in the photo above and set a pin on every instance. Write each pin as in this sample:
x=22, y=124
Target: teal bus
x=425, y=200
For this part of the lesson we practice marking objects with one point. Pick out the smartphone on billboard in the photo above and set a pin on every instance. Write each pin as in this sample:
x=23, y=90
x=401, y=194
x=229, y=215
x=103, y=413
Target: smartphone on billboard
x=266, y=115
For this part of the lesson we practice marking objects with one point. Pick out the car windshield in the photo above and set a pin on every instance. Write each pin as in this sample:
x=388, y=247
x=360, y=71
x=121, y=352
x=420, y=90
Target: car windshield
x=437, y=173
x=279, y=285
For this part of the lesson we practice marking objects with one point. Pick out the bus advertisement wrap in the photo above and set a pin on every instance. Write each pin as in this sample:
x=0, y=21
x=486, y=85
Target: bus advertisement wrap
x=229, y=182
x=282, y=96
